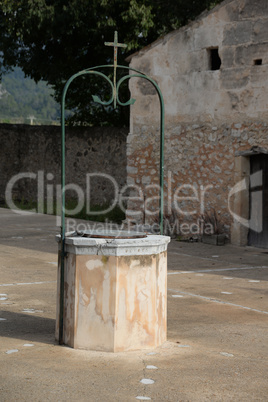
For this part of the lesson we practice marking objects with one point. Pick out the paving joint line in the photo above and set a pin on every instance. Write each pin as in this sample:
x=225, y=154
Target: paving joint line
x=218, y=301
x=201, y=258
x=218, y=270
x=26, y=283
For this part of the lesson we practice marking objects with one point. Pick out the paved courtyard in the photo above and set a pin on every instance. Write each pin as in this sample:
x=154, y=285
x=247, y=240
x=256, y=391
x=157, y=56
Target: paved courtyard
x=217, y=347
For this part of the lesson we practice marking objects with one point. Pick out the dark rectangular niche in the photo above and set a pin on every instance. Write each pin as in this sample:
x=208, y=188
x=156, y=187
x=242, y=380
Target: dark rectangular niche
x=214, y=59
x=258, y=62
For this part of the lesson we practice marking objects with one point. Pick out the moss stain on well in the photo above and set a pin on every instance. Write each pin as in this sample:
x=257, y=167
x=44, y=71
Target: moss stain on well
x=104, y=259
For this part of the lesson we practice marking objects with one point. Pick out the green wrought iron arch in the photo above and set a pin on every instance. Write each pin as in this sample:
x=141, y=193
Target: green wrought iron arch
x=114, y=98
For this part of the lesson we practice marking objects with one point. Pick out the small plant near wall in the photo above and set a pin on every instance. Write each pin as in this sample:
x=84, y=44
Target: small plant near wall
x=214, y=232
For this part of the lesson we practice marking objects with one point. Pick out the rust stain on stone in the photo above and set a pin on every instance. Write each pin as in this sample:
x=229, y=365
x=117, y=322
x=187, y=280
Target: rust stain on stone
x=115, y=303
x=93, y=280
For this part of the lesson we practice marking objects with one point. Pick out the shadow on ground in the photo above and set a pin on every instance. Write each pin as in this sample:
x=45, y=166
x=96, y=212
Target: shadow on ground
x=27, y=327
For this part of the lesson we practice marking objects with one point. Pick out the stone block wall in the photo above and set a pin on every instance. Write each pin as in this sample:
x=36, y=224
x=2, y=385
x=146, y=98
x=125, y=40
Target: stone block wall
x=36, y=150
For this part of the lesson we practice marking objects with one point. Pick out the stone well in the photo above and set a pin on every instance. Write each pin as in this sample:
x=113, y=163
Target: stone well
x=115, y=292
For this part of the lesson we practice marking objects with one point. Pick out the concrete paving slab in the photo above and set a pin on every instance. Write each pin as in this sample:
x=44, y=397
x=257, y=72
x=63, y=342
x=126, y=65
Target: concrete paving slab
x=240, y=291
x=217, y=332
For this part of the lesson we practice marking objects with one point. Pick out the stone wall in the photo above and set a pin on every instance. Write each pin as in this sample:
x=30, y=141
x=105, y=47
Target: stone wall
x=36, y=150
x=180, y=62
x=211, y=112
x=199, y=169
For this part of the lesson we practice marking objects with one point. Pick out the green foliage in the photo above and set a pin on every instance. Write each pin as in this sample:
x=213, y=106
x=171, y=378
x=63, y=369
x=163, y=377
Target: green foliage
x=116, y=215
x=23, y=99
x=53, y=39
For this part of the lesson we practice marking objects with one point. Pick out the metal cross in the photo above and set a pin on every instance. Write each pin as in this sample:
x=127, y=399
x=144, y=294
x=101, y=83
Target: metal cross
x=116, y=45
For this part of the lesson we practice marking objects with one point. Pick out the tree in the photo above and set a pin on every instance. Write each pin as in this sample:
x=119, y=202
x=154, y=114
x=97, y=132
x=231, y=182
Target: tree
x=53, y=39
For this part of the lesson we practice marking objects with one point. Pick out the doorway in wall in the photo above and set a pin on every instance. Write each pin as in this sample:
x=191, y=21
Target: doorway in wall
x=258, y=201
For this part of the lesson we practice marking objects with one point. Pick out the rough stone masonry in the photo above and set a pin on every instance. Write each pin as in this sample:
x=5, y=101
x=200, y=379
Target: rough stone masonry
x=213, y=74
x=89, y=150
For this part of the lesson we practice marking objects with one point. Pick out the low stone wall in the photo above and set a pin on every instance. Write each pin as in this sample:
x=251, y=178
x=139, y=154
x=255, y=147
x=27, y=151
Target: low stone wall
x=93, y=156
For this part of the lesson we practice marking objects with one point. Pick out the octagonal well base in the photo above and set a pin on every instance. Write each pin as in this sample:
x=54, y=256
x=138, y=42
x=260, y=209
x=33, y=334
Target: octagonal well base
x=115, y=293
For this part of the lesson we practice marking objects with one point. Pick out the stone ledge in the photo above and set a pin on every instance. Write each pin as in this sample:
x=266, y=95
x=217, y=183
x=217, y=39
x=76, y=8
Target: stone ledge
x=152, y=244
